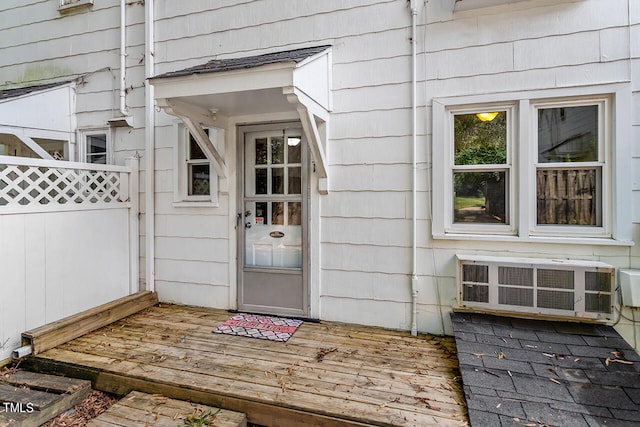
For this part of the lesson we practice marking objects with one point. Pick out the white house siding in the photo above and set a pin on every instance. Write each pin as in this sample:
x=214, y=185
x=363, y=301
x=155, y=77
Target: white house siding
x=532, y=45
x=368, y=148
x=365, y=220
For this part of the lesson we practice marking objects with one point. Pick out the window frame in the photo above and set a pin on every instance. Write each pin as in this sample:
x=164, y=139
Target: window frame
x=614, y=127
x=181, y=170
x=604, y=162
x=509, y=228
x=83, y=151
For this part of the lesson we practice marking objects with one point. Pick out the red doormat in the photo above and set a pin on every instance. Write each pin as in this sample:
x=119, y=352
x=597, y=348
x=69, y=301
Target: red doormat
x=257, y=326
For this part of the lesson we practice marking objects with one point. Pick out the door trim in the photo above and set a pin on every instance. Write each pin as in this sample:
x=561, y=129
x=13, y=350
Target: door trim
x=242, y=131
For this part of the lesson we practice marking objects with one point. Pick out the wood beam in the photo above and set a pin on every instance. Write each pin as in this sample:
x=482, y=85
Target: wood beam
x=308, y=110
x=206, y=145
x=63, y=330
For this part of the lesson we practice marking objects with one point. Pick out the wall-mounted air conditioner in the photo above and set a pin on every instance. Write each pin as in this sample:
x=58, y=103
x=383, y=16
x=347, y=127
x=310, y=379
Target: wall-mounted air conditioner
x=562, y=288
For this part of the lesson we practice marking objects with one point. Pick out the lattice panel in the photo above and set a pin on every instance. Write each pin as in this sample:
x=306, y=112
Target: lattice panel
x=27, y=185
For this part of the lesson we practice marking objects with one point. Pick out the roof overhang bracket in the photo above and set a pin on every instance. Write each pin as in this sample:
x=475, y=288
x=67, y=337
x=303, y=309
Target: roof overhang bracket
x=194, y=117
x=315, y=120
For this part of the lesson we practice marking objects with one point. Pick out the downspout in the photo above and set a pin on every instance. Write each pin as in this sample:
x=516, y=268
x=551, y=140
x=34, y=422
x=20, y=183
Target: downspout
x=123, y=58
x=414, y=140
x=149, y=148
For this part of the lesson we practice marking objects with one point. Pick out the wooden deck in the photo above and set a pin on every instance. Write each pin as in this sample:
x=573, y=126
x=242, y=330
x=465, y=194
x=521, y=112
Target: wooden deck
x=327, y=374
x=142, y=410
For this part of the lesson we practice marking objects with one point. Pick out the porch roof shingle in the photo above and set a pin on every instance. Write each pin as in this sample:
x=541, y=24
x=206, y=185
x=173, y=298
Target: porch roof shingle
x=220, y=65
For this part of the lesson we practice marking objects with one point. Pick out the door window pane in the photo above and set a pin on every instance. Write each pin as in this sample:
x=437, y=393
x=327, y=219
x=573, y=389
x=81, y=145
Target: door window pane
x=480, y=197
x=277, y=151
x=294, y=149
x=277, y=181
x=568, y=134
x=261, y=151
x=480, y=139
x=277, y=213
x=295, y=213
x=295, y=182
x=261, y=181
x=261, y=213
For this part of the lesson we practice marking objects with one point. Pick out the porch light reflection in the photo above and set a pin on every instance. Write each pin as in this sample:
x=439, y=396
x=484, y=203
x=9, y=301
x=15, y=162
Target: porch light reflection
x=487, y=117
x=292, y=142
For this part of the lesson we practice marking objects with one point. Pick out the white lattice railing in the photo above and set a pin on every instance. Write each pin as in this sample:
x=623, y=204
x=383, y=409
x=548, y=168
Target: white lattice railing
x=36, y=183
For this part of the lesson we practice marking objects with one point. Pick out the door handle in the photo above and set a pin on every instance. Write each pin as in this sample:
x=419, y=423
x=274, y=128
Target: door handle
x=247, y=224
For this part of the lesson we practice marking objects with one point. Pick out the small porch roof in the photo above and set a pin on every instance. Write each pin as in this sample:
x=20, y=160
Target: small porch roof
x=295, y=82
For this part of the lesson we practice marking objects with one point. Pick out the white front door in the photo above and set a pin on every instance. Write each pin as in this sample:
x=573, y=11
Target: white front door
x=272, y=223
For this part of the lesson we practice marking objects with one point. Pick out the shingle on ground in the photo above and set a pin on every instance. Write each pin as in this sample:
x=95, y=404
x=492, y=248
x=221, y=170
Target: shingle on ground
x=523, y=371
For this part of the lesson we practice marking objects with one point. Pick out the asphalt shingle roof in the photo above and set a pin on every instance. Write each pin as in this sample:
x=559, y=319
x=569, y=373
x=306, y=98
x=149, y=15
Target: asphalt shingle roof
x=519, y=372
x=219, y=65
x=13, y=93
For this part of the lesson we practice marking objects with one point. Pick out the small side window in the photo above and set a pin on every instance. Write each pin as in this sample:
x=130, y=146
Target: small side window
x=94, y=147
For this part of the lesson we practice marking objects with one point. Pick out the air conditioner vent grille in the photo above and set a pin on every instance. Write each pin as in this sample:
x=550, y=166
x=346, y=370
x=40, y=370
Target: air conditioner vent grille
x=561, y=288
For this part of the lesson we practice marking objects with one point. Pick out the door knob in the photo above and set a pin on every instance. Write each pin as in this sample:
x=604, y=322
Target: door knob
x=247, y=224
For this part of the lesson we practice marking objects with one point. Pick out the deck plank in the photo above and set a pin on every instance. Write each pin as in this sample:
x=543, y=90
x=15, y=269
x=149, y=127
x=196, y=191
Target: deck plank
x=374, y=376
x=141, y=410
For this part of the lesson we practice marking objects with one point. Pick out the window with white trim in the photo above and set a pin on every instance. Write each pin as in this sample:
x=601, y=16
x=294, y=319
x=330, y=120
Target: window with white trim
x=527, y=167
x=95, y=147
x=195, y=178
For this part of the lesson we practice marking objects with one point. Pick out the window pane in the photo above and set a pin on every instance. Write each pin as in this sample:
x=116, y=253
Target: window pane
x=295, y=183
x=569, y=197
x=277, y=213
x=294, y=149
x=277, y=181
x=295, y=213
x=568, y=134
x=277, y=151
x=261, y=181
x=261, y=151
x=199, y=180
x=96, y=144
x=480, y=197
x=99, y=159
x=480, y=141
x=195, y=152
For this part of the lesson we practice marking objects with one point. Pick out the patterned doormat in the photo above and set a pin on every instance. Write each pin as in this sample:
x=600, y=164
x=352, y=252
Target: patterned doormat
x=257, y=326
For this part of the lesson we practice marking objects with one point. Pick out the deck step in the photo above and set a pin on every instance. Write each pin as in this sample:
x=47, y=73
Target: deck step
x=31, y=399
x=140, y=409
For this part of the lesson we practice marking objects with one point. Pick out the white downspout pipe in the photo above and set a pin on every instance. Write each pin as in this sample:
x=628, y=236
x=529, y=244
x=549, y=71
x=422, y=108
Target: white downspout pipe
x=123, y=58
x=149, y=148
x=414, y=140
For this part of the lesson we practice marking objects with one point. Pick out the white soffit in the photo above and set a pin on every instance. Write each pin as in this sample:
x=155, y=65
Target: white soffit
x=47, y=109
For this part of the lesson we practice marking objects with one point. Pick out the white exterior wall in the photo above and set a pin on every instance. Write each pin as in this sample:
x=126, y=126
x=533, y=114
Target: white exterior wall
x=365, y=221
x=529, y=46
